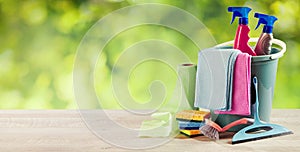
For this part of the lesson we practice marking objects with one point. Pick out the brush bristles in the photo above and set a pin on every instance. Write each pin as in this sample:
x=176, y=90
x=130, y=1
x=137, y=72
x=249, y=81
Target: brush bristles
x=210, y=132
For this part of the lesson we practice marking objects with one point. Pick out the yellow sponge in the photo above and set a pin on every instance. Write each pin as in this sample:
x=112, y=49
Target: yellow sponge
x=191, y=133
x=193, y=115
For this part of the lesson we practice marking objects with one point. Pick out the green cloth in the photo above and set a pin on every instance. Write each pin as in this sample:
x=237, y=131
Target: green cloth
x=159, y=126
x=163, y=123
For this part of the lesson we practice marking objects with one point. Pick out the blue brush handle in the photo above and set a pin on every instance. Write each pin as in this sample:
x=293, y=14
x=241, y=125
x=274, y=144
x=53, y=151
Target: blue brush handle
x=256, y=112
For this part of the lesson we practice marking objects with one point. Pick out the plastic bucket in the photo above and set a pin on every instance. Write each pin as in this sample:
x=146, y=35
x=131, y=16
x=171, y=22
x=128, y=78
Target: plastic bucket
x=265, y=68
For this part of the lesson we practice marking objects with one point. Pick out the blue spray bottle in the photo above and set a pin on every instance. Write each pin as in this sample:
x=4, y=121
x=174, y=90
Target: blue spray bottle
x=264, y=43
x=241, y=37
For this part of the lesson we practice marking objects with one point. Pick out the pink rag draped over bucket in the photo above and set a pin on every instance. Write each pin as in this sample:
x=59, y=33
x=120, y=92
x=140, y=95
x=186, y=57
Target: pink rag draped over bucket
x=241, y=86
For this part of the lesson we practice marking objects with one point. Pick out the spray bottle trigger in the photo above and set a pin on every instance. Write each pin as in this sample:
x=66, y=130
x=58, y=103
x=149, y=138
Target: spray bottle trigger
x=258, y=24
x=233, y=17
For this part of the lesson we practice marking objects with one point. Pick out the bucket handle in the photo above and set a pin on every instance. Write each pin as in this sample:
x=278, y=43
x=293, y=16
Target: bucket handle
x=251, y=40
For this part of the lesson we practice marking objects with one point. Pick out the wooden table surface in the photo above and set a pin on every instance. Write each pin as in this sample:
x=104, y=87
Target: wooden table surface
x=65, y=130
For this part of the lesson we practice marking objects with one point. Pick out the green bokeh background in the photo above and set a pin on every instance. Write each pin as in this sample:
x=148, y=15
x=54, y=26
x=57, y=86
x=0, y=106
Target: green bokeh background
x=39, y=38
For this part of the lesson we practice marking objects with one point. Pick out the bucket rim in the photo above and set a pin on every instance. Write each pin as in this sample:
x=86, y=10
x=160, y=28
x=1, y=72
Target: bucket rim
x=274, y=56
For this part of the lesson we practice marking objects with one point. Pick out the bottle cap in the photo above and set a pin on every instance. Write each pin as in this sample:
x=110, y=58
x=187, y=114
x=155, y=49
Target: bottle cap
x=268, y=20
x=241, y=12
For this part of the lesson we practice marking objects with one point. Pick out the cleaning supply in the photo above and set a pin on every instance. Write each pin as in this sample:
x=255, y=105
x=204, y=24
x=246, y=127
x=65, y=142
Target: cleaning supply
x=241, y=38
x=258, y=130
x=191, y=120
x=214, y=78
x=159, y=126
x=192, y=115
x=191, y=133
x=190, y=125
x=263, y=46
x=264, y=68
x=187, y=77
x=241, y=87
x=212, y=129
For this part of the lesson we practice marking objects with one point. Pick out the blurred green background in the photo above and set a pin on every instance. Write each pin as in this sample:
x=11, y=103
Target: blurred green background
x=39, y=38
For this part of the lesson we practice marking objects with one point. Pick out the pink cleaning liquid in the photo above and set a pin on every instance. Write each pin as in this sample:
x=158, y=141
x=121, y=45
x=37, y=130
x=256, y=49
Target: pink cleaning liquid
x=242, y=38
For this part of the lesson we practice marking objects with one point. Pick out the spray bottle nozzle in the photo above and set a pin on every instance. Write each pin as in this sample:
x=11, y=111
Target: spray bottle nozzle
x=240, y=12
x=268, y=20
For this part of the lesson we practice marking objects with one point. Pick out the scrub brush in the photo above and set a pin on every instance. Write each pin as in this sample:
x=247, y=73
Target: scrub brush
x=212, y=129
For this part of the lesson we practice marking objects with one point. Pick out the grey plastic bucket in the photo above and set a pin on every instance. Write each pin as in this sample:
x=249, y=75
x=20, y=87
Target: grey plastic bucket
x=265, y=68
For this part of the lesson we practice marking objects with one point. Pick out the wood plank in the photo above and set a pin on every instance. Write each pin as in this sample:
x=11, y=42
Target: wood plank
x=65, y=130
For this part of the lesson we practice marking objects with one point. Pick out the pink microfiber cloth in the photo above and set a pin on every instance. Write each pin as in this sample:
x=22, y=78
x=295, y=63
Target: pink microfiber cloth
x=241, y=87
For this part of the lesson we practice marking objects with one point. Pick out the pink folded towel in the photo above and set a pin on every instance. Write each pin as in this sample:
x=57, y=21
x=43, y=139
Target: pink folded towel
x=241, y=86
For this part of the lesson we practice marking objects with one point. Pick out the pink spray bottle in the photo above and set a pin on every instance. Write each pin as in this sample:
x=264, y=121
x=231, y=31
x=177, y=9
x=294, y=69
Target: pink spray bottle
x=241, y=38
x=264, y=43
